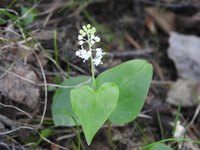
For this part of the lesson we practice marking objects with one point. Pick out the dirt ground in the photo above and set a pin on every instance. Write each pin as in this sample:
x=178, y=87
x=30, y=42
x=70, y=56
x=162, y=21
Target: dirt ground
x=131, y=29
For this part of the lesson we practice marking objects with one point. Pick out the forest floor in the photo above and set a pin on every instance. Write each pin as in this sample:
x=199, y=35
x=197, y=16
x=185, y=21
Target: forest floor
x=131, y=29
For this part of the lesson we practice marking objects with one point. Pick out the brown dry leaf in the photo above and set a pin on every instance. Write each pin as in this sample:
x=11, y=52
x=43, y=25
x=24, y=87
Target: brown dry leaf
x=165, y=19
x=11, y=84
x=18, y=89
x=151, y=24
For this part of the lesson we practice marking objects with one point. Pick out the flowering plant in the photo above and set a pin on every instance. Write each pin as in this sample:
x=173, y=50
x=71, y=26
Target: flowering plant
x=91, y=40
x=87, y=36
x=117, y=94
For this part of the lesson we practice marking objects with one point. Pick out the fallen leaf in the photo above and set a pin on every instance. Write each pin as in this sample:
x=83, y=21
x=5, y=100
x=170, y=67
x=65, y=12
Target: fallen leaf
x=165, y=19
x=18, y=89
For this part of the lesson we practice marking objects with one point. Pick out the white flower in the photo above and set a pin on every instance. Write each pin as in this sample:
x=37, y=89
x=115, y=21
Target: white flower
x=81, y=42
x=82, y=53
x=80, y=37
x=92, y=36
x=78, y=53
x=99, y=52
x=92, y=42
x=91, y=39
x=97, y=61
x=97, y=39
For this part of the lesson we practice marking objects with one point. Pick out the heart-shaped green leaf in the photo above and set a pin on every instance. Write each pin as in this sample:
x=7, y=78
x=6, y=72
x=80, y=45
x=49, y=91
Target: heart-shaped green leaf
x=133, y=79
x=93, y=107
x=61, y=102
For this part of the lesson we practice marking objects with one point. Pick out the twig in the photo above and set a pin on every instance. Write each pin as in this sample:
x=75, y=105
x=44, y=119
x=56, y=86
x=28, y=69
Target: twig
x=18, y=146
x=155, y=82
x=78, y=68
x=16, y=13
x=5, y=72
x=45, y=139
x=47, y=19
x=157, y=69
x=11, y=106
x=66, y=136
x=133, y=41
x=30, y=128
x=131, y=53
x=48, y=84
x=49, y=57
x=195, y=115
x=13, y=130
x=8, y=122
x=45, y=87
x=10, y=10
x=8, y=29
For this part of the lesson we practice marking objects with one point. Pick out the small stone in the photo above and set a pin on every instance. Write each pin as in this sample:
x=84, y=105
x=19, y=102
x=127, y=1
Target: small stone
x=182, y=93
x=184, y=50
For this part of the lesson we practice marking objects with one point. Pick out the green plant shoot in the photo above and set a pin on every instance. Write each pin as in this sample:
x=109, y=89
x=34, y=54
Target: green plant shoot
x=117, y=94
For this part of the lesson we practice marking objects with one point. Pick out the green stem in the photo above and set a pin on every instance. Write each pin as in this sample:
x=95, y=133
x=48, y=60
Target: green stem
x=110, y=136
x=92, y=67
x=160, y=124
x=140, y=129
x=93, y=70
x=78, y=131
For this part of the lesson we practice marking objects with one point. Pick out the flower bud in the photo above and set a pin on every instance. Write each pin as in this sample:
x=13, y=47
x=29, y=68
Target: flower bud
x=88, y=26
x=84, y=34
x=93, y=29
x=84, y=28
x=92, y=32
x=81, y=31
x=89, y=31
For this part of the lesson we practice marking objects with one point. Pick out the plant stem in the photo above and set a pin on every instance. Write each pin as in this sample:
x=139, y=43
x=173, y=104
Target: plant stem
x=110, y=136
x=160, y=124
x=92, y=70
x=140, y=129
x=92, y=67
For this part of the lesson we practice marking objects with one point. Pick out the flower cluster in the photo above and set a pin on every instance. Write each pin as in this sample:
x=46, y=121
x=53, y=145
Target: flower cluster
x=87, y=36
